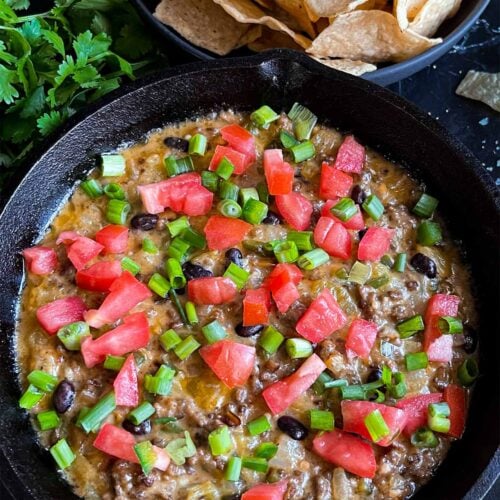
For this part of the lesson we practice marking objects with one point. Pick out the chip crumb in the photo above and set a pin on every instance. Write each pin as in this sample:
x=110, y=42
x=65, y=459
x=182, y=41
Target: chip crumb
x=481, y=86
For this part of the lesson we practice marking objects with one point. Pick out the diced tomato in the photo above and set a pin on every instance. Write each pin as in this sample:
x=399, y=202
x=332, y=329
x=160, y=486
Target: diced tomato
x=80, y=249
x=267, y=491
x=125, y=293
x=67, y=237
x=279, y=174
x=439, y=347
x=99, y=276
x=360, y=338
x=455, y=396
x=40, y=260
x=125, y=384
x=285, y=296
x=356, y=222
x=333, y=237
x=281, y=275
x=114, y=238
x=230, y=361
x=355, y=412
x=415, y=408
x=323, y=317
x=239, y=160
x=133, y=334
x=59, y=313
x=350, y=156
x=214, y=291
x=239, y=139
x=224, y=232
x=333, y=183
x=375, y=243
x=198, y=201
x=295, y=209
x=256, y=307
x=347, y=451
x=280, y=395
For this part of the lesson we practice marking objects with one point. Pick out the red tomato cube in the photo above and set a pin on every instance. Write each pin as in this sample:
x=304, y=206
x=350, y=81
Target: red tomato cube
x=333, y=238
x=267, y=491
x=239, y=139
x=281, y=275
x=415, y=408
x=285, y=296
x=333, y=183
x=59, y=313
x=239, y=160
x=114, y=238
x=350, y=156
x=375, y=243
x=360, y=338
x=256, y=307
x=455, y=396
x=125, y=384
x=81, y=250
x=99, y=277
x=40, y=260
x=214, y=291
x=198, y=201
x=224, y=232
x=295, y=209
x=356, y=222
x=279, y=174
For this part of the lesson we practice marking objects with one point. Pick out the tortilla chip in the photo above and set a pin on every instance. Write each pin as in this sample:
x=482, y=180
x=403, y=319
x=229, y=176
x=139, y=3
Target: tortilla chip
x=406, y=10
x=371, y=36
x=432, y=15
x=330, y=8
x=267, y=4
x=250, y=36
x=271, y=39
x=481, y=86
x=244, y=11
x=203, y=23
x=297, y=9
x=347, y=65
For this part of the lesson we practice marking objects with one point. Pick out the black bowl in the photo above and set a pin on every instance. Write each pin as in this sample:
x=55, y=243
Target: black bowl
x=451, y=31
x=378, y=117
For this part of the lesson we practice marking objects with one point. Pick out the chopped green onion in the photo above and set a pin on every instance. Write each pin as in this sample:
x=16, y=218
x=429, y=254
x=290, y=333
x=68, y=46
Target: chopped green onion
x=397, y=389
x=468, y=372
x=161, y=382
x=191, y=314
x=353, y=392
x=303, y=151
x=233, y=469
x=197, y=145
x=178, y=249
x=228, y=191
x=181, y=448
x=214, y=332
x=373, y=207
x=379, y=281
x=131, y=266
x=114, y=191
x=254, y=211
x=186, y=347
x=263, y=192
x=178, y=166
x=220, y=441
x=146, y=455
x=410, y=326
x=141, y=413
x=344, y=209
x=313, y=259
x=225, y=169
x=96, y=415
x=322, y=420
x=360, y=273
x=424, y=438
x=185, y=164
x=175, y=299
x=450, y=325
x=386, y=375
x=286, y=251
x=303, y=239
x=114, y=363
x=112, y=165
x=266, y=450
x=248, y=194
x=324, y=382
x=194, y=238
x=342, y=273
x=387, y=261
x=255, y=463
x=429, y=233
x=375, y=396
x=177, y=226
x=425, y=206
x=169, y=339
x=264, y=116
x=42, y=380
x=271, y=339
x=400, y=263
x=158, y=284
x=237, y=274
x=210, y=180
x=229, y=208
x=259, y=425
x=376, y=426
x=298, y=348
x=303, y=121
x=175, y=274
x=30, y=397
x=62, y=454
x=72, y=335
x=438, y=417
x=416, y=361
x=48, y=420
x=287, y=139
x=92, y=188
x=117, y=212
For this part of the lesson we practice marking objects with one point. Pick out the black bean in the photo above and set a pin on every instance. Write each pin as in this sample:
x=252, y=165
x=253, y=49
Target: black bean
x=180, y=291
x=423, y=265
x=248, y=331
x=193, y=271
x=361, y=233
x=235, y=256
x=141, y=429
x=292, y=427
x=470, y=340
x=145, y=222
x=176, y=143
x=272, y=218
x=374, y=375
x=358, y=195
x=63, y=396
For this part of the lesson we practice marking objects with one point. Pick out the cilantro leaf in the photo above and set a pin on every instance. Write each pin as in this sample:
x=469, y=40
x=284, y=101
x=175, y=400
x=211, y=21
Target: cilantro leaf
x=55, y=40
x=100, y=24
x=48, y=122
x=86, y=76
x=66, y=69
x=7, y=91
x=87, y=46
x=32, y=30
x=132, y=42
x=33, y=104
x=18, y=4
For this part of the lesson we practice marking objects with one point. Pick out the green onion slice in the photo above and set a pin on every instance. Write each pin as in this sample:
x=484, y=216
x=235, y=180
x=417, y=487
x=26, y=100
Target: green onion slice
x=410, y=326
x=424, y=438
x=210, y=180
x=197, y=145
x=181, y=448
x=255, y=463
x=429, y=233
x=158, y=284
x=229, y=208
x=148, y=246
x=130, y=265
x=62, y=454
x=322, y=420
x=98, y=413
x=271, y=339
x=303, y=239
x=286, y=251
x=48, y=420
x=468, y=372
x=416, y=361
x=254, y=211
x=194, y=238
x=303, y=121
x=72, y=335
x=169, y=339
x=228, y=190
x=42, y=380
x=191, y=314
x=264, y=116
x=376, y=426
x=178, y=249
x=114, y=191
x=146, y=455
x=114, y=363
x=313, y=259
x=287, y=139
x=373, y=207
x=266, y=450
x=175, y=274
x=248, y=194
x=233, y=469
x=360, y=273
x=259, y=425
x=214, y=332
x=186, y=347
x=117, y=211
x=141, y=413
x=92, y=188
x=30, y=397
x=344, y=209
x=112, y=165
x=303, y=151
x=225, y=169
x=220, y=441
x=177, y=226
x=425, y=206
x=450, y=325
x=400, y=263
x=438, y=417
x=237, y=275
x=298, y=348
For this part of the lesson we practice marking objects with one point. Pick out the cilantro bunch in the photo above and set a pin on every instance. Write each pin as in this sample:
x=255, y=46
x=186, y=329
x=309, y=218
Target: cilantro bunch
x=53, y=63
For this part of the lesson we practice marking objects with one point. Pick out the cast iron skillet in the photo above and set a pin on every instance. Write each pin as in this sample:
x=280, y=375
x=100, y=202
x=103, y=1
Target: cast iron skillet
x=378, y=117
